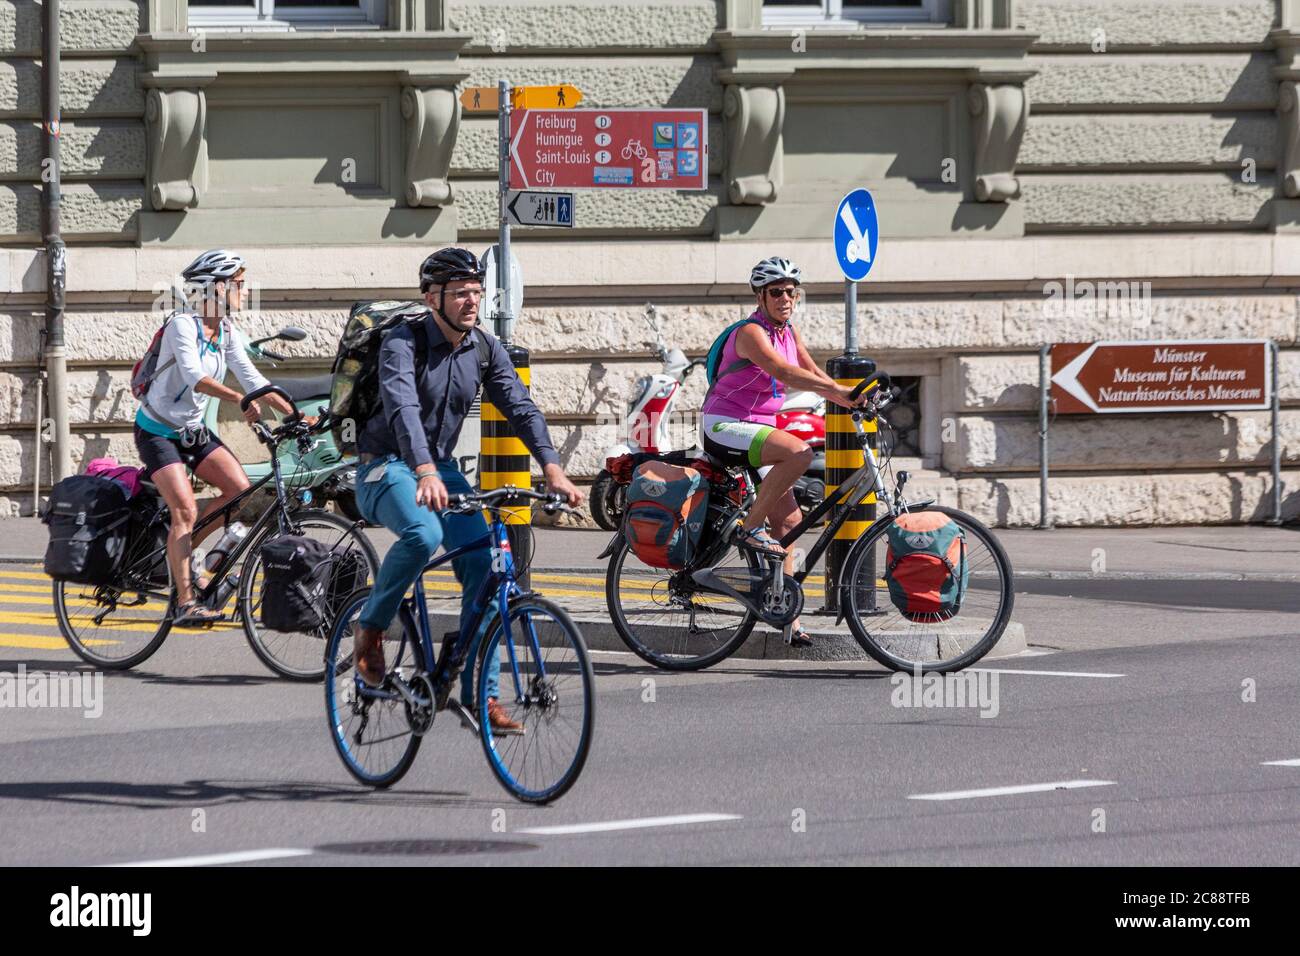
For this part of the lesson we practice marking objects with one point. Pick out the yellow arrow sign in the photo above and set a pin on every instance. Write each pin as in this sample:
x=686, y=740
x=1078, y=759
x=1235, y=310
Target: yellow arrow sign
x=485, y=99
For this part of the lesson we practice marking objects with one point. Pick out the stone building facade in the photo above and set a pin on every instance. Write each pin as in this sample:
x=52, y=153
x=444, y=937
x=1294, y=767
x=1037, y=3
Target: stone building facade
x=1151, y=145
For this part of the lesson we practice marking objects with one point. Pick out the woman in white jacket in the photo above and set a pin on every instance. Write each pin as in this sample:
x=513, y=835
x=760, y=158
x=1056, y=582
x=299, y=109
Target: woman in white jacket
x=197, y=349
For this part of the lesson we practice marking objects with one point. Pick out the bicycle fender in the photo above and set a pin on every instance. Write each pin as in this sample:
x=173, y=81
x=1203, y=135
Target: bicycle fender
x=609, y=548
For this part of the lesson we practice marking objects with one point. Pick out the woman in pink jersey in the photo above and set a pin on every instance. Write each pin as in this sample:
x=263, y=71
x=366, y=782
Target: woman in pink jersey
x=763, y=358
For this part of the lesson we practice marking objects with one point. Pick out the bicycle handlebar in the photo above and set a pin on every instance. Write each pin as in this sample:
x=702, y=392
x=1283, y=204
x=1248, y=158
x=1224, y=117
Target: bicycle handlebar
x=880, y=379
x=270, y=389
x=473, y=502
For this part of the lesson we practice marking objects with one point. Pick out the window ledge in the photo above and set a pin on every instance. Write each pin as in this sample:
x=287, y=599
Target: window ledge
x=286, y=52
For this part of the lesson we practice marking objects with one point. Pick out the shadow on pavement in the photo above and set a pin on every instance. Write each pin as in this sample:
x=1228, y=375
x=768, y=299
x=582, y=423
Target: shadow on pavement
x=166, y=796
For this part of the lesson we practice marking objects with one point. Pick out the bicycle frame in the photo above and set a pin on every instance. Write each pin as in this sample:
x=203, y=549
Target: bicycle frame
x=867, y=477
x=499, y=585
x=279, y=511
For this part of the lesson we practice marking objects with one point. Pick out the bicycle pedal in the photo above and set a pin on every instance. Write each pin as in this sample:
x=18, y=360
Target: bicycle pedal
x=467, y=719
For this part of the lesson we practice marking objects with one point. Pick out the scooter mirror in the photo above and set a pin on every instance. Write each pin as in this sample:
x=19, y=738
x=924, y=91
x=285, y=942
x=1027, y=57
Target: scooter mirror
x=291, y=333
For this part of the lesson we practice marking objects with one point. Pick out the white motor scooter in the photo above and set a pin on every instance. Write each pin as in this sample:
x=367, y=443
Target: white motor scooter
x=648, y=416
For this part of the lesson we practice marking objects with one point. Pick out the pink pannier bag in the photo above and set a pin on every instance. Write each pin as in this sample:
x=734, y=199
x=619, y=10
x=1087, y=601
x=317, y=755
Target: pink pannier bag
x=125, y=475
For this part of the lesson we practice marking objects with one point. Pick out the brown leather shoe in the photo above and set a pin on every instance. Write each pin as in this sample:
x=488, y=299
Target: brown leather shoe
x=368, y=654
x=500, y=721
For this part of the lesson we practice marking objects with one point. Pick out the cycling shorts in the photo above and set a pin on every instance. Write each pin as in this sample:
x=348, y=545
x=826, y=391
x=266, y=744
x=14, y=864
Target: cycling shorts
x=733, y=442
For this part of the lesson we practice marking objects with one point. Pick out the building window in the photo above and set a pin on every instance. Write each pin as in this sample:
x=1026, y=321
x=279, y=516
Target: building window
x=286, y=14
x=852, y=12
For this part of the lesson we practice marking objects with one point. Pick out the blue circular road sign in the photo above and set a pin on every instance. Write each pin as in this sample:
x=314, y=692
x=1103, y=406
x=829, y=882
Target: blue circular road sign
x=856, y=234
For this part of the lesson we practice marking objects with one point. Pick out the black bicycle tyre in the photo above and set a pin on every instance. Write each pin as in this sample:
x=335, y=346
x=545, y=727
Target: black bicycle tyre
x=603, y=501
x=332, y=722
x=673, y=663
x=247, y=616
x=848, y=595
x=489, y=645
x=109, y=663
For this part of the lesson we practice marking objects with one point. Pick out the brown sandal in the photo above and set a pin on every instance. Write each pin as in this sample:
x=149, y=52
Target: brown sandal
x=195, y=614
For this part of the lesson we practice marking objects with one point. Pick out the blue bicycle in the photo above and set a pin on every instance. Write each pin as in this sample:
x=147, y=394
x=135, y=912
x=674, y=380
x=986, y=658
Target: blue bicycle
x=547, y=684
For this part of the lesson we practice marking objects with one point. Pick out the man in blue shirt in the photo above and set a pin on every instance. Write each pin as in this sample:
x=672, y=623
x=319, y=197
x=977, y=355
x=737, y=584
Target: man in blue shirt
x=407, y=471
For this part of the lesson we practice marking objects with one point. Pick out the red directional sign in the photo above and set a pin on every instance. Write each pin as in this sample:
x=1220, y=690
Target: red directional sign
x=1104, y=377
x=609, y=149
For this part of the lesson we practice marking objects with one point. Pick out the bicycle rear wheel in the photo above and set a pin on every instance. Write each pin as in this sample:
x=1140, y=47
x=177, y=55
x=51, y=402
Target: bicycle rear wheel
x=299, y=656
x=120, y=626
x=373, y=736
x=550, y=689
x=943, y=641
x=666, y=620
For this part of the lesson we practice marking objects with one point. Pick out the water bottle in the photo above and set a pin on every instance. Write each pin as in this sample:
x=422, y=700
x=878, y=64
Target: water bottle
x=235, y=533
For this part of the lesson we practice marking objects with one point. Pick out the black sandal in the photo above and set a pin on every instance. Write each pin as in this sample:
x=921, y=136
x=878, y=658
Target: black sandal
x=195, y=614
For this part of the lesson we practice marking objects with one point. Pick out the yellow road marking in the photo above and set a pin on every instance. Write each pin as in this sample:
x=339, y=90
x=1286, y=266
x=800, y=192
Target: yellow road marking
x=27, y=576
x=79, y=602
x=42, y=643
x=110, y=624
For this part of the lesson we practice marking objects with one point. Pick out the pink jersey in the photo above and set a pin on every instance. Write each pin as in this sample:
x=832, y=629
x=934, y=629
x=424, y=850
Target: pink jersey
x=749, y=394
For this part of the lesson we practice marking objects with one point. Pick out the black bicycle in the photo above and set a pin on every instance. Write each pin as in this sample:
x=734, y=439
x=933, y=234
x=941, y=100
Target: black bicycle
x=696, y=616
x=120, y=625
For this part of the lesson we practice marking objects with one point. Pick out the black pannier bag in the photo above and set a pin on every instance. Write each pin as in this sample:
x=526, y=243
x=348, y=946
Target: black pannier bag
x=89, y=520
x=295, y=584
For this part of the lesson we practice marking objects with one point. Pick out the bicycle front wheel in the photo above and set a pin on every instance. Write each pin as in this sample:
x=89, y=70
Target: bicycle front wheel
x=299, y=656
x=373, y=735
x=668, y=621
x=548, y=686
x=958, y=634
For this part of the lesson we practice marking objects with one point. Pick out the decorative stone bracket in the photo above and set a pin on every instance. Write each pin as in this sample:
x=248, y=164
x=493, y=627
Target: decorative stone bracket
x=754, y=116
x=432, y=116
x=1288, y=109
x=998, y=113
x=178, y=151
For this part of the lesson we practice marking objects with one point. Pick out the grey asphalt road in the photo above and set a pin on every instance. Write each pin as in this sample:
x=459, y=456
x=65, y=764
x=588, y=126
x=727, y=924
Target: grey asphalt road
x=1154, y=749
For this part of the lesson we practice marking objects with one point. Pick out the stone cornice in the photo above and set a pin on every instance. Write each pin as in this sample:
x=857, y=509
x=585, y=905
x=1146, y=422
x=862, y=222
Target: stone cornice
x=771, y=49
x=425, y=54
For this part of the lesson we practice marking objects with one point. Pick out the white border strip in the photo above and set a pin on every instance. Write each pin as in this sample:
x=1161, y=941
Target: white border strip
x=999, y=670
x=1005, y=791
x=640, y=824
x=1281, y=763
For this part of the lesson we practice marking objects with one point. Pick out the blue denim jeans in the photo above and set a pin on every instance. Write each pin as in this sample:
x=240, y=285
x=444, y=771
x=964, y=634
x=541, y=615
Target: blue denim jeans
x=390, y=501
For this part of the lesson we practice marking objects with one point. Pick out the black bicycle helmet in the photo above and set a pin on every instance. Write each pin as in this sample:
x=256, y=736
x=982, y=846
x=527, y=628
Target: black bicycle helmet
x=449, y=265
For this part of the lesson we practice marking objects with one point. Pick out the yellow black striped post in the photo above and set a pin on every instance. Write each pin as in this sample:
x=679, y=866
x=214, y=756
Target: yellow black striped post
x=843, y=457
x=504, y=460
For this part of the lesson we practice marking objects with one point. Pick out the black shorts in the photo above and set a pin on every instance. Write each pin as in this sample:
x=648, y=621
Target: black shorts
x=159, y=452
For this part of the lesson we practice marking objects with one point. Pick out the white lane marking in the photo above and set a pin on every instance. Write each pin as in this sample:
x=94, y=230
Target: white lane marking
x=217, y=859
x=1004, y=791
x=1002, y=670
x=1281, y=763
x=633, y=824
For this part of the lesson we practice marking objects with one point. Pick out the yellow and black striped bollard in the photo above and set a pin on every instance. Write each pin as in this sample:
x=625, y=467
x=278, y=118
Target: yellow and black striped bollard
x=843, y=457
x=504, y=460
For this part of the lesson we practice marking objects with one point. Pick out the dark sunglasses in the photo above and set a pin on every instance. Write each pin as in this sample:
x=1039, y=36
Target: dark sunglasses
x=783, y=293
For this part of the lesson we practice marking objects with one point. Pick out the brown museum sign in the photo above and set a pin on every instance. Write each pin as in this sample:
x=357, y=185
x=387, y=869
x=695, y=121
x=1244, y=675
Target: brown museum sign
x=1106, y=377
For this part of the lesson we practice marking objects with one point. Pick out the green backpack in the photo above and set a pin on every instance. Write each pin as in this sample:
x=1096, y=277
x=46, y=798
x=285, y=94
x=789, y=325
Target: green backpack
x=354, y=389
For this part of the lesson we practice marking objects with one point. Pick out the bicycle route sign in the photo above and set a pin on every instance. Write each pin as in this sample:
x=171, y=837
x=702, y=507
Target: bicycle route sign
x=856, y=234
x=609, y=149
x=1168, y=376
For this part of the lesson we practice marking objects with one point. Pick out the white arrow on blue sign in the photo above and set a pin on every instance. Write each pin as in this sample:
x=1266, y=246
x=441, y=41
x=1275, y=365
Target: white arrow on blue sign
x=856, y=234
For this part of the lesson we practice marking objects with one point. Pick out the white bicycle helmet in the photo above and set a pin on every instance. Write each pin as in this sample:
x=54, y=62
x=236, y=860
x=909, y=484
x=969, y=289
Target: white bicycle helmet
x=213, y=266
x=772, y=270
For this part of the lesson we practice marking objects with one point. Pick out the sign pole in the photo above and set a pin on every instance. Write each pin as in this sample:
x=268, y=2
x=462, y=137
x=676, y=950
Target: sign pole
x=1044, y=393
x=1277, y=441
x=504, y=319
x=850, y=318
